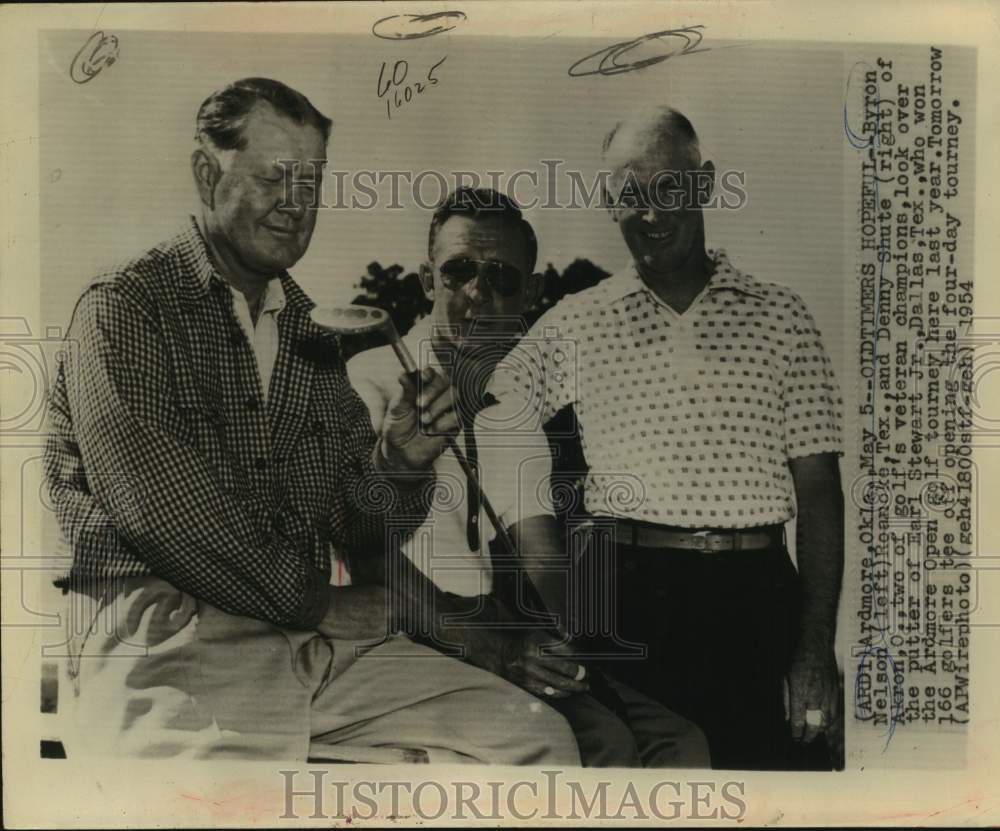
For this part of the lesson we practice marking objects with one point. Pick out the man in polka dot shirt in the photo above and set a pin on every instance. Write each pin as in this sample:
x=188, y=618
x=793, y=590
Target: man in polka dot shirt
x=709, y=417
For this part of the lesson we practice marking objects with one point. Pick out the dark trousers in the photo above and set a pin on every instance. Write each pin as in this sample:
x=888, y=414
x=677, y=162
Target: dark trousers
x=617, y=727
x=715, y=633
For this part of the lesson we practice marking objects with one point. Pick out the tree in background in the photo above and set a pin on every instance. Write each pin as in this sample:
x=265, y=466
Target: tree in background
x=402, y=295
x=389, y=289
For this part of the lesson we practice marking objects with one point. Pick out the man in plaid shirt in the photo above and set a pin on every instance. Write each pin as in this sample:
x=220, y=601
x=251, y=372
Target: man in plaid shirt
x=208, y=458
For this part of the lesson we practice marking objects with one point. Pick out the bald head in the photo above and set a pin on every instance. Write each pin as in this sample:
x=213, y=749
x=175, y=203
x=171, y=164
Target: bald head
x=660, y=134
x=656, y=191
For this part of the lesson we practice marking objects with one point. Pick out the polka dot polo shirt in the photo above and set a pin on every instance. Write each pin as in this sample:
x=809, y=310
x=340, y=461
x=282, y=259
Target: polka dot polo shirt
x=685, y=419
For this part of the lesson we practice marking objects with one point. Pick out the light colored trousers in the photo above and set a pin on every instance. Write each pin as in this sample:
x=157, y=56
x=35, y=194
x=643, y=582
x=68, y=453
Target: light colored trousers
x=156, y=673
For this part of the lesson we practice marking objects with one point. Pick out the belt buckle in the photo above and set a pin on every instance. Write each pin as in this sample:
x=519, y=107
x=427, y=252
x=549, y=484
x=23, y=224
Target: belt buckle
x=699, y=540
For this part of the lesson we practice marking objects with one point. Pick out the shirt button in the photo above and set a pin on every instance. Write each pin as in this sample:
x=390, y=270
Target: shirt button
x=319, y=427
x=261, y=463
x=252, y=402
x=236, y=338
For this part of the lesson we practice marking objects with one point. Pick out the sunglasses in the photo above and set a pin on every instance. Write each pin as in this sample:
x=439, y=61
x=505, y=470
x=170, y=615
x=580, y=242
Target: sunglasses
x=503, y=279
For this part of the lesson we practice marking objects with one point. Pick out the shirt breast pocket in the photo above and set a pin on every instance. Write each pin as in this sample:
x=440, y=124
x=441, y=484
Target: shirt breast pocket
x=204, y=430
x=310, y=456
x=201, y=419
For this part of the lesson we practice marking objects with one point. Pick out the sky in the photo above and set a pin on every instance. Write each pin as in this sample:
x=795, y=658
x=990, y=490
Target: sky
x=115, y=174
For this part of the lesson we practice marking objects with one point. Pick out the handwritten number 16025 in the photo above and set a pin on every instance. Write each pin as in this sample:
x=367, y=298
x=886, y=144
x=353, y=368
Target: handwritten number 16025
x=394, y=89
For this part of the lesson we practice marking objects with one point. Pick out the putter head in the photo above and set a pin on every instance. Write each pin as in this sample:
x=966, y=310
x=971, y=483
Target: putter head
x=351, y=319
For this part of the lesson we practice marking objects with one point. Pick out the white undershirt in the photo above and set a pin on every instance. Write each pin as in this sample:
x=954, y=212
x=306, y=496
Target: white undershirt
x=264, y=336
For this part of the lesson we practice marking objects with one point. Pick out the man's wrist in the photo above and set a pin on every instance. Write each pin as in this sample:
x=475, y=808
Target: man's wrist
x=383, y=464
x=816, y=637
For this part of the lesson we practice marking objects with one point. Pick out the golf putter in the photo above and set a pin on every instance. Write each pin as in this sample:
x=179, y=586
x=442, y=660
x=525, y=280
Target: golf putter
x=360, y=320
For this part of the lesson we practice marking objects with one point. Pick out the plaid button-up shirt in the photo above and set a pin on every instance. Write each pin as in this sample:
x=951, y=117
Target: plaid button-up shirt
x=165, y=458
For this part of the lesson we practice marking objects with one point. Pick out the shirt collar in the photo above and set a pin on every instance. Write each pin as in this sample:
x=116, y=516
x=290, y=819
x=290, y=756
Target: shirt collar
x=725, y=278
x=728, y=277
x=200, y=276
x=273, y=299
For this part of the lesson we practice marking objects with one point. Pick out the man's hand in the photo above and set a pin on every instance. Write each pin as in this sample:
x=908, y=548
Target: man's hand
x=545, y=674
x=516, y=655
x=813, y=685
x=417, y=423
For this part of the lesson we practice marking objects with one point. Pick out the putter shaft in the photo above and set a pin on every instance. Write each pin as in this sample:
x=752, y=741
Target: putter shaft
x=406, y=359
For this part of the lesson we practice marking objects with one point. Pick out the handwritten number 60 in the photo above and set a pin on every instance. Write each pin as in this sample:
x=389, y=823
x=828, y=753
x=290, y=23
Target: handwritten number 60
x=392, y=89
x=397, y=78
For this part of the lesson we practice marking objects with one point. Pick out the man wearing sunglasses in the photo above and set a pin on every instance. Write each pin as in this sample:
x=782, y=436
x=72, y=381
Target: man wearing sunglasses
x=479, y=275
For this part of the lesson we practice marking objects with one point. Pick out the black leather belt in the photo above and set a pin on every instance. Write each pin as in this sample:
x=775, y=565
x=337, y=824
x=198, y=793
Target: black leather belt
x=645, y=535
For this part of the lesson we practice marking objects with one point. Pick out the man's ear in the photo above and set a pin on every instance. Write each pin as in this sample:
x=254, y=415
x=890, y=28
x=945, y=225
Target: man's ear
x=427, y=279
x=705, y=183
x=206, y=170
x=609, y=205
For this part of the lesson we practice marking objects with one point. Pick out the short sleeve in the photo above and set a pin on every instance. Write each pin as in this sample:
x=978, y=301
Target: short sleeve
x=811, y=399
x=537, y=378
